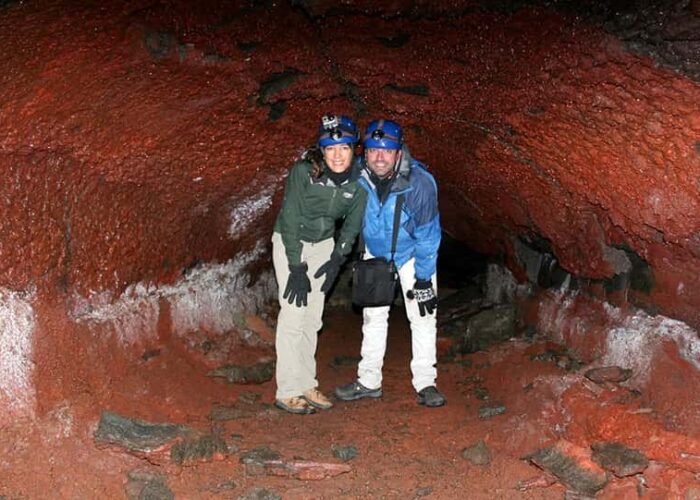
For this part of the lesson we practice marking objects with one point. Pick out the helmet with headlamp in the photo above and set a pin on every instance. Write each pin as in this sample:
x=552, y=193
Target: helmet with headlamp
x=383, y=134
x=337, y=129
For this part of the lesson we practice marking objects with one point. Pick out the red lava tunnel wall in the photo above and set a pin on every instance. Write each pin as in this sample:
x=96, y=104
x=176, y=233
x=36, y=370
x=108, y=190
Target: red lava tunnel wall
x=143, y=147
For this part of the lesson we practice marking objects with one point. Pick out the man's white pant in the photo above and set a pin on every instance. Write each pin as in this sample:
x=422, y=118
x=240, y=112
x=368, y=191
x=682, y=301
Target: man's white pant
x=298, y=327
x=423, y=337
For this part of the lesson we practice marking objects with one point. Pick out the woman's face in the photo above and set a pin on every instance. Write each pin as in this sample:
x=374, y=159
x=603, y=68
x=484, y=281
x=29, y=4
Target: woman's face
x=338, y=157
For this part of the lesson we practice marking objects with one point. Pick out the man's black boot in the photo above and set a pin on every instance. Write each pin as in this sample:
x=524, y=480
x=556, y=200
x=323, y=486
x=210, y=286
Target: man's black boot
x=431, y=397
x=355, y=390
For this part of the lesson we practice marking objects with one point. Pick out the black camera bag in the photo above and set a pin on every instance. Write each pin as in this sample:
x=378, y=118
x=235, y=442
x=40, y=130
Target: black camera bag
x=374, y=280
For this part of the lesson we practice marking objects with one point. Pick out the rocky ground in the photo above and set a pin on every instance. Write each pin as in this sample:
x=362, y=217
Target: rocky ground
x=524, y=419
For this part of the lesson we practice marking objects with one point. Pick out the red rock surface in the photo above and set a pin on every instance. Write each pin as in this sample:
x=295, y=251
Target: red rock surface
x=127, y=144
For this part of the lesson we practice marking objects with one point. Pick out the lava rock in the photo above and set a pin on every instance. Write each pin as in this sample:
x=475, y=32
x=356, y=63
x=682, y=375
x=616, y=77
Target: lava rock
x=223, y=487
x=136, y=435
x=203, y=448
x=608, y=374
x=260, y=494
x=423, y=491
x=240, y=374
x=483, y=329
x=562, y=358
x=573, y=466
x=491, y=411
x=260, y=454
x=344, y=453
x=256, y=459
x=304, y=470
x=619, y=459
x=145, y=485
x=481, y=393
x=478, y=454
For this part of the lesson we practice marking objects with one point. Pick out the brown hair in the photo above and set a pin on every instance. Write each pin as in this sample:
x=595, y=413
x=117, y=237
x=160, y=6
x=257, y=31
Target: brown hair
x=314, y=155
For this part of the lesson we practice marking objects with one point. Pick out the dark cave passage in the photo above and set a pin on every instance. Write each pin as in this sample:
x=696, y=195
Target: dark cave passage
x=145, y=147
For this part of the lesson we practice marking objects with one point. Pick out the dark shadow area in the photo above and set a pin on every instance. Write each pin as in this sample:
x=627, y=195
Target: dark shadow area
x=458, y=264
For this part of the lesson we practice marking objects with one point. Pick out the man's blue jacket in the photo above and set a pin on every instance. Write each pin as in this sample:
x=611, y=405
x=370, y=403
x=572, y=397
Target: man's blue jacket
x=419, y=230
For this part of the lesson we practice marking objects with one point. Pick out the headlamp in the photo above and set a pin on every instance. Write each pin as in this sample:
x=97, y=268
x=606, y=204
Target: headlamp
x=378, y=134
x=329, y=122
x=336, y=134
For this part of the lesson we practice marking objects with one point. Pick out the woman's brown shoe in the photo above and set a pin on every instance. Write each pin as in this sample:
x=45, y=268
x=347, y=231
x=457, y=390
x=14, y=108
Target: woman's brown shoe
x=294, y=405
x=317, y=399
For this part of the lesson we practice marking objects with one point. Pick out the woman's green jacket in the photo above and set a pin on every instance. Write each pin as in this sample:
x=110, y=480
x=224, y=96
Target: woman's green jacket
x=311, y=208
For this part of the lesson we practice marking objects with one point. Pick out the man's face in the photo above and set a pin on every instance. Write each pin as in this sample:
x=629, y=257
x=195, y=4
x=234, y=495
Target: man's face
x=338, y=157
x=382, y=161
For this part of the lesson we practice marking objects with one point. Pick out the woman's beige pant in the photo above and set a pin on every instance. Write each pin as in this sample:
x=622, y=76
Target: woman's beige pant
x=298, y=327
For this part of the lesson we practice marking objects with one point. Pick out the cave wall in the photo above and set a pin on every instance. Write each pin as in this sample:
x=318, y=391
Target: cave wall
x=144, y=147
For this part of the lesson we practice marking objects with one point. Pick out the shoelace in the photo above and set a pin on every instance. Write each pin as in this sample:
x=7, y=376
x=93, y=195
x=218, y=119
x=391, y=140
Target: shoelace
x=316, y=394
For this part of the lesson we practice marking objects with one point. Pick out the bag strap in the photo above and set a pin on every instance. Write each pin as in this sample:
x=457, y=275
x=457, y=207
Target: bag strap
x=395, y=231
x=397, y=221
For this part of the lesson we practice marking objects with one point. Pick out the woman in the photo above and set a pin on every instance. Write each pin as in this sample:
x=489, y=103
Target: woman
x=321, y=189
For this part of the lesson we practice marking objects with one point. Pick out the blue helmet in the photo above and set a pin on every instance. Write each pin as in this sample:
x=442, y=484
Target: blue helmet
x=337, y=129
x=383, y=134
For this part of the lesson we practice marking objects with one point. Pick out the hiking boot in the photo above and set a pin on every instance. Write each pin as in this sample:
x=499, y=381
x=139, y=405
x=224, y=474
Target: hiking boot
x=294, y=405
x=355, y=390
x=317, y=399
x=431, y=397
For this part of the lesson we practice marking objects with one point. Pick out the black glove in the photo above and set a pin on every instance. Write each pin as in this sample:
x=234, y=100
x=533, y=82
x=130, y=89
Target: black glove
x=298, y=285
x=425, y=295
x=331, y=270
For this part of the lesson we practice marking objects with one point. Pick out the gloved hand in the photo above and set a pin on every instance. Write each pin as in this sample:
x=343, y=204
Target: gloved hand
x=425, y=295
x=331, y=269
x=298, y=285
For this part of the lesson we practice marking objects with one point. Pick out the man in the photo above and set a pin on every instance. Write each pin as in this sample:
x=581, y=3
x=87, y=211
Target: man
x=390, y=171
